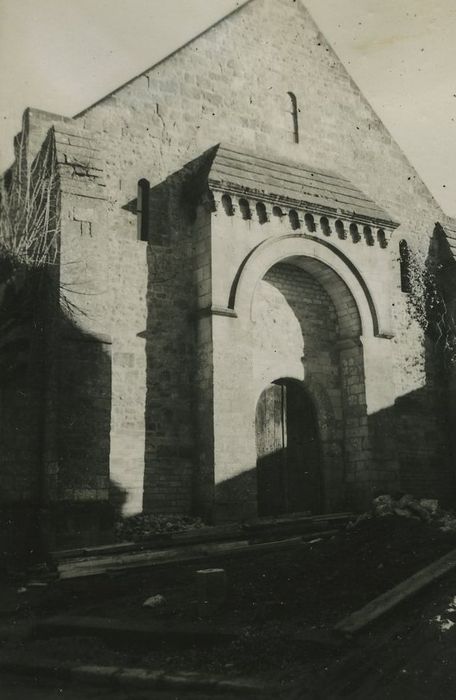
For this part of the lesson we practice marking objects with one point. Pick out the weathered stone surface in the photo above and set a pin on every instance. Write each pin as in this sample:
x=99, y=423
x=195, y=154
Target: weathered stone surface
x=156, y=374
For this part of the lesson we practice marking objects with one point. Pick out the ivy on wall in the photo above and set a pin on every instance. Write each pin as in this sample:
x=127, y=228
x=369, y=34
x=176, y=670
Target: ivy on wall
x=429, y=301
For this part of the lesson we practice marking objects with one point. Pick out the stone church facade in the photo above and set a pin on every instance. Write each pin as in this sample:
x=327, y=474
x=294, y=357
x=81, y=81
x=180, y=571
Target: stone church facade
x=240, y=342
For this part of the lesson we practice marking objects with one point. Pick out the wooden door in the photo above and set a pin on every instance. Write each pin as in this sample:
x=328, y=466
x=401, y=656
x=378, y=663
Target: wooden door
x=288, y=449
x=270, y=432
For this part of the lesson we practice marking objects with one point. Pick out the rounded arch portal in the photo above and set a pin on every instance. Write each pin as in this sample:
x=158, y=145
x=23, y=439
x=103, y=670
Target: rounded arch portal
x=304, y=324
x=357, y=312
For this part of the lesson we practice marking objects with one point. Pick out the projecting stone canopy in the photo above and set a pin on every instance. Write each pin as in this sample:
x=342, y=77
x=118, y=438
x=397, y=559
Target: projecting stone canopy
x=252, y=187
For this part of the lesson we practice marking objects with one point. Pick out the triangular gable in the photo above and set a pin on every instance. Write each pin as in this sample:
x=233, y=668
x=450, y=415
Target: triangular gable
x=341, y=128
x=164, y=59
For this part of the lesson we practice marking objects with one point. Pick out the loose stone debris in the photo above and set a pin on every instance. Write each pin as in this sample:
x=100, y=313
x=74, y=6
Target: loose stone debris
x=155, y=601
x=144, y=525
x=407, y=506
x=445, y=623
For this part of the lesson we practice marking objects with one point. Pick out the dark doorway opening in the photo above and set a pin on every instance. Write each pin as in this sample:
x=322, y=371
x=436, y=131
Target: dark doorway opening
x=289, y=471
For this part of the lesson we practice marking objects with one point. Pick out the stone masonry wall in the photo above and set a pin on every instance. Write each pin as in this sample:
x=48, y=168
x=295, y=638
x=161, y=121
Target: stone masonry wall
x=225, y=86
x=173, y=113
x=420, y=417
x=140, y=298
x=170, y=420
x=203, y=465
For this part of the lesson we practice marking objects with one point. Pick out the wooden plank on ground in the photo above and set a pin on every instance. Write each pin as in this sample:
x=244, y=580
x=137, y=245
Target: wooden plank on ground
x=137, y=560
x=227, y=532
x=385, y=602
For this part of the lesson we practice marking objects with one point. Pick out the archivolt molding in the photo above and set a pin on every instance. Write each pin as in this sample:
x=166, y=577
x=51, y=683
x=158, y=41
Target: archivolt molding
x=357, y=310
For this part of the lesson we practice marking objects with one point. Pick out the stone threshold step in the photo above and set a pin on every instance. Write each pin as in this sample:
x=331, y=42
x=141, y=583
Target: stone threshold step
x=139, y=678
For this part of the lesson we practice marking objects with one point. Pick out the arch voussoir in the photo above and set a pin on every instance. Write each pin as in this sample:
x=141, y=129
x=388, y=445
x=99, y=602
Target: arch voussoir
x=357, y=311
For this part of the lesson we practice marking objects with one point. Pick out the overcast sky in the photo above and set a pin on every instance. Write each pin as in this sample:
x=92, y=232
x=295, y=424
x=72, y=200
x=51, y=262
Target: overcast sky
x=62, y=55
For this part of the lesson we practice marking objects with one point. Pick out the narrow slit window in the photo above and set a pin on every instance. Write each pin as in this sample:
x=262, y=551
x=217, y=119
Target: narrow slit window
x=404, y=261
x=294, y=116
x=142, y=209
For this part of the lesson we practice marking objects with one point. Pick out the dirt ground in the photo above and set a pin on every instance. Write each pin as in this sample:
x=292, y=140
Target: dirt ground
x=313, y=585
x=274, y=596
x=409, y=655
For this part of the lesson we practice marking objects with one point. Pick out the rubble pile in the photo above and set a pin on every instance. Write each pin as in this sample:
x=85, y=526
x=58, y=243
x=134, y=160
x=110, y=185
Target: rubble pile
x=406, y=506
x=145, y=525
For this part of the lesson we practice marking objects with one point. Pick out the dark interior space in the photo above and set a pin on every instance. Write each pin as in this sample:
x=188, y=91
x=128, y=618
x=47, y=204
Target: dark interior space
x=289, y=454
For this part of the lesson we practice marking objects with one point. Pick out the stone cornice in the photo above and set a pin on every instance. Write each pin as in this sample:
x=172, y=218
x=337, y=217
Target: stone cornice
x=256, y=195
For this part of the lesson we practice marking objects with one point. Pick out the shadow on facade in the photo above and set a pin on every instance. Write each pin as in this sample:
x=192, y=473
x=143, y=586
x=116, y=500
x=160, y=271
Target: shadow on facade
x=424, y=419
x=55, y=426
x=169, y=415
x=411, y=448
x=55, y=392
x=412, y=444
